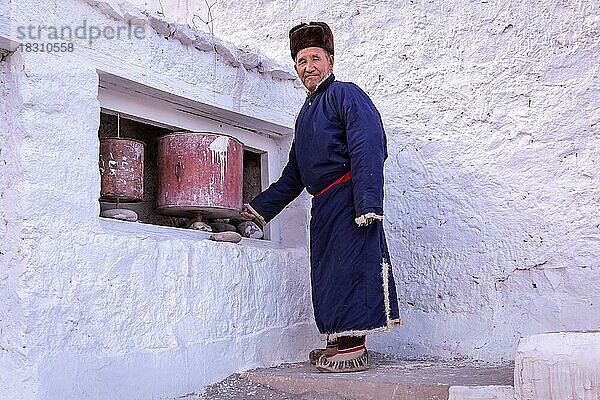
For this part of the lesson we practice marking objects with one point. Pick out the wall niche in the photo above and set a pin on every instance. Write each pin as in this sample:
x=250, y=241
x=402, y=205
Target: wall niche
x=114, y=125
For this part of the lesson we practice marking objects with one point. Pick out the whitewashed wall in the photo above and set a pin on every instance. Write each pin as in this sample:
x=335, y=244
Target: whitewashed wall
x=103, y=309
x=493, y=183
x=14, y=368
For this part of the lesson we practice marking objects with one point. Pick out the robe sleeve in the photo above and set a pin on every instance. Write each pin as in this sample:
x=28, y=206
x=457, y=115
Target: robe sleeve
x=279, y=194
x=367, y=149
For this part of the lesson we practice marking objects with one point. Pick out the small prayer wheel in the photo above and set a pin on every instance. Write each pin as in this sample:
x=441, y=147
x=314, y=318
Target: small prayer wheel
x=121, y=170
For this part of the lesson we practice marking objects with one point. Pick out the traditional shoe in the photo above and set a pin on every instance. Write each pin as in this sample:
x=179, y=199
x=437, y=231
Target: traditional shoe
x=347, y=360
x=315, y=354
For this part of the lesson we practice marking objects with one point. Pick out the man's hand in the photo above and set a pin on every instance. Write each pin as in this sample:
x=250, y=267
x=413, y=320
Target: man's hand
x=250, y=213
x=245, y=213
x=367, y=219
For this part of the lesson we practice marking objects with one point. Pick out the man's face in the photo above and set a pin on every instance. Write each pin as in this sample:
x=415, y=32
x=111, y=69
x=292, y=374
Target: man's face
x=313, y=64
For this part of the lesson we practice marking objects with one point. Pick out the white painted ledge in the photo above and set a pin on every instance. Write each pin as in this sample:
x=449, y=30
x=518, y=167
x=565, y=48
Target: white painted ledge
x=141, y=230
x=7, y=40
x=493, y=392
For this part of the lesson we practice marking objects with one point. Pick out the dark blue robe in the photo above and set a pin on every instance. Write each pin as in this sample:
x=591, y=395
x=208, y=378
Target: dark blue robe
x=338, y=130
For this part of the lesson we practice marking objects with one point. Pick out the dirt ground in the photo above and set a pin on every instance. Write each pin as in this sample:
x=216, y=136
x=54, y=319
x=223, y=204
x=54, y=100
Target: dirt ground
x=235, y=387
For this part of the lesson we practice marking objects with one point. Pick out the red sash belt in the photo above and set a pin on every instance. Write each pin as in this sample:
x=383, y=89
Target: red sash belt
x=344, y=178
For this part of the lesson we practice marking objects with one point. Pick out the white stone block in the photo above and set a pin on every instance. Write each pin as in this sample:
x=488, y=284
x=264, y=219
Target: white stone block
x=276, y=70
x=228, y=52
x=249, y=58
x=203, y=41
x=558, y=366
x=184, y=34
x=110, y=8
x=493, y=392
x=133, y=14
x=161, y=25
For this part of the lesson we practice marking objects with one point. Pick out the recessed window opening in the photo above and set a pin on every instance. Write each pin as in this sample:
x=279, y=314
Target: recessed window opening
x=121, y=155
x=160, y=107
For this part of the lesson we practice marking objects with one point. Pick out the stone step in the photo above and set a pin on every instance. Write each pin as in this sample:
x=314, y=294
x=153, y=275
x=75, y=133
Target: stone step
x=393, y=380
x=553, y=366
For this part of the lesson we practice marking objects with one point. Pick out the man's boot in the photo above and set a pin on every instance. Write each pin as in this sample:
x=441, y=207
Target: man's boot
x=351, y=356
x=315, y=354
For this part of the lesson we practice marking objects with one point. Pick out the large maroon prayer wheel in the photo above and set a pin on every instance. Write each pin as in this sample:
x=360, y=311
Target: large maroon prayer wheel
x=121, y=170
x=199, y=174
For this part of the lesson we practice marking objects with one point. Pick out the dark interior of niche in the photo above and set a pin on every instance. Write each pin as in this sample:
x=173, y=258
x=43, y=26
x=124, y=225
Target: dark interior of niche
x=251, y=185
x=149, y=134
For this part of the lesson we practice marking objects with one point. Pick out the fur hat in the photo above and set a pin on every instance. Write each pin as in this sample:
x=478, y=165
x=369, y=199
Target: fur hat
x=313, y=34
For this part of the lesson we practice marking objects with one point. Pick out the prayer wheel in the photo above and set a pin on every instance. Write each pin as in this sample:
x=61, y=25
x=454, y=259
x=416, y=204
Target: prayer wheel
x=121, y=170
x=199, y=175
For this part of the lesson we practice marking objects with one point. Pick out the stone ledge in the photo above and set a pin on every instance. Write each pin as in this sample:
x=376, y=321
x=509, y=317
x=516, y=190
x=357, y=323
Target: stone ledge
x=390, y=379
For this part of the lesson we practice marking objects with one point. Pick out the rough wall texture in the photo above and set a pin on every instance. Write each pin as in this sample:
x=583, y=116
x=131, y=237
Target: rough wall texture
x=493, y=190
x=102, y=309
x=14, y=367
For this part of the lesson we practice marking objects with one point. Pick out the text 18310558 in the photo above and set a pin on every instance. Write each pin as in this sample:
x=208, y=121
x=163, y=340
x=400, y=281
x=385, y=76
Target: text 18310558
x=49, y=47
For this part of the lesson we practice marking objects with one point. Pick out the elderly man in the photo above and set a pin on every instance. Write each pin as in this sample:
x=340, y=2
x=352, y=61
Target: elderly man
x=337, y=155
